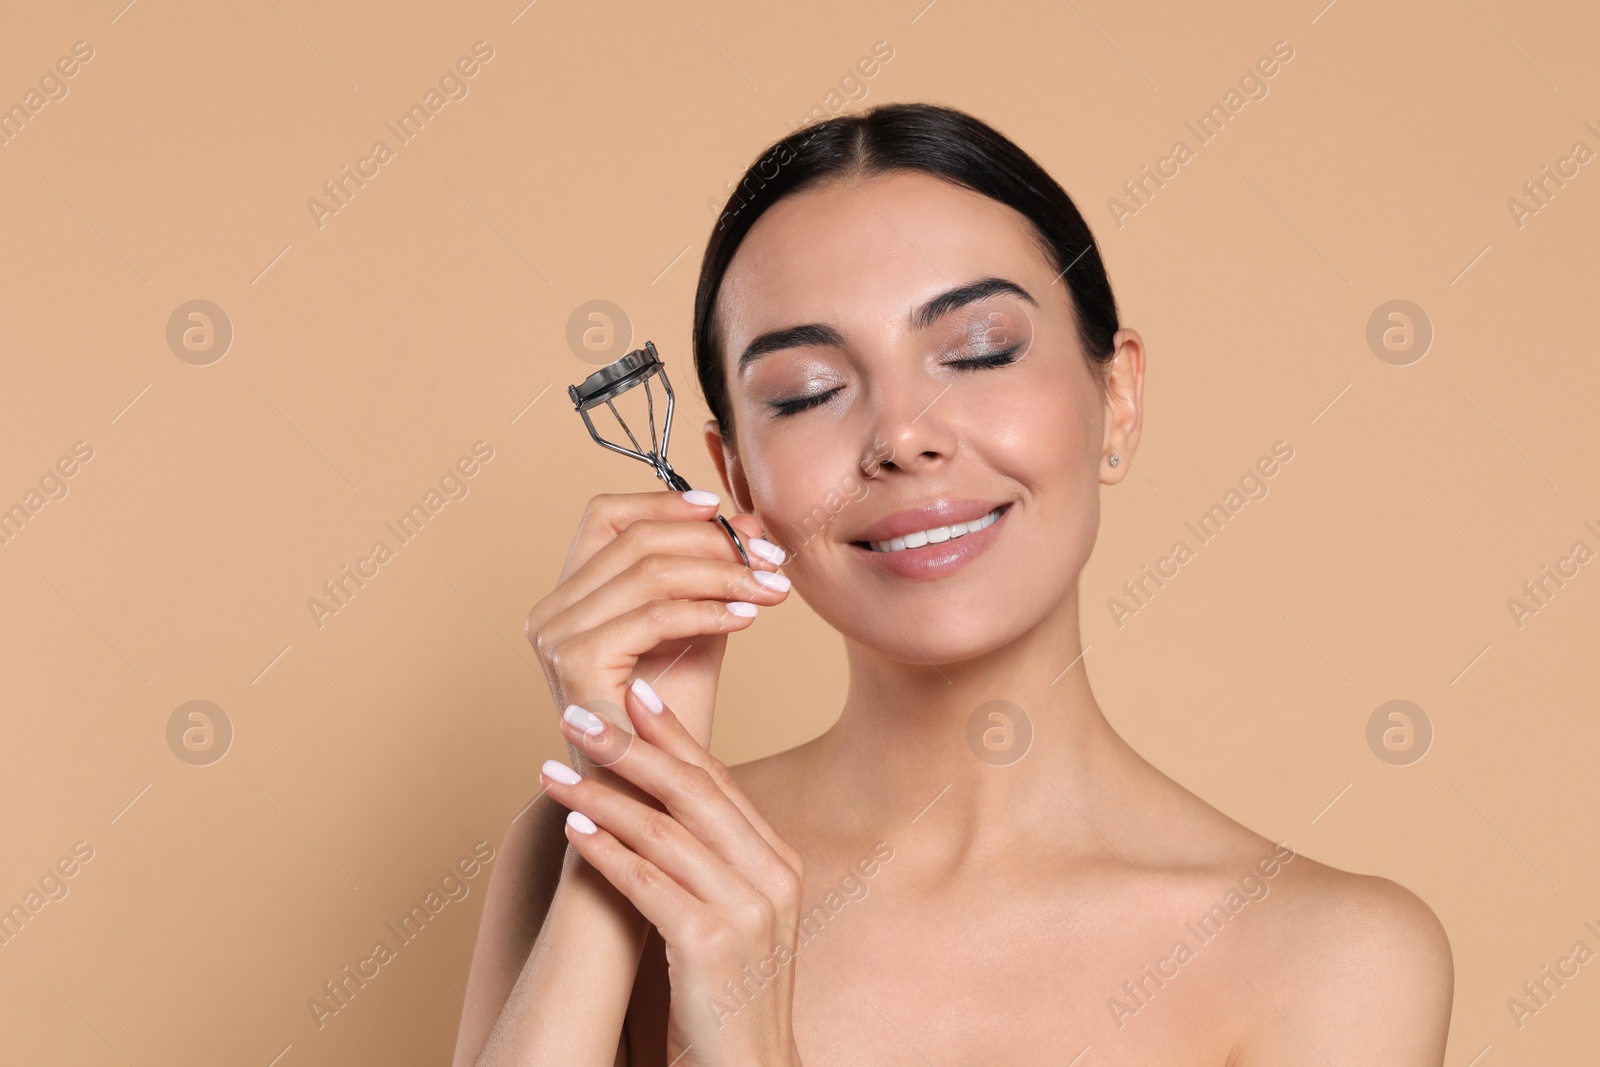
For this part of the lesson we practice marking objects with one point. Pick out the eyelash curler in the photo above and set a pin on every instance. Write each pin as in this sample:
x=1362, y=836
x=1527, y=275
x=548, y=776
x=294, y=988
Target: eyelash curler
x=610, y=382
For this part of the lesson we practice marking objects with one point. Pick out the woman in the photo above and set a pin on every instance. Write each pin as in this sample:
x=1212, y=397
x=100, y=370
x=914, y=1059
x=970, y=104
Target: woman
x=919, y=381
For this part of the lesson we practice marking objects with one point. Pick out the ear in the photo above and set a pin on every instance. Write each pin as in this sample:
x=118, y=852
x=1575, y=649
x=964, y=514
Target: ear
x=728, y=467
x=1124, y=405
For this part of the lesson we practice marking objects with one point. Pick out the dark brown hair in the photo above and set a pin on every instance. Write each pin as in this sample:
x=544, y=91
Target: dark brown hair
x=940, y=141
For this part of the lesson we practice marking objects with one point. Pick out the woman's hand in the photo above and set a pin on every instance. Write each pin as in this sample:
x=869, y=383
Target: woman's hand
x=708, y=872
x=651, y=587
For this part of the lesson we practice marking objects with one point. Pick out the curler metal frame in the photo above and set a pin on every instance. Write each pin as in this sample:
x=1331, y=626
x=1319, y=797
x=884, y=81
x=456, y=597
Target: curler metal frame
x=614, y=379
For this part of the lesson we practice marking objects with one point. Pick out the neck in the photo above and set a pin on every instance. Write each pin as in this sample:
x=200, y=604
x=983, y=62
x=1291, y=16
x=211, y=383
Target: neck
x=940, y=744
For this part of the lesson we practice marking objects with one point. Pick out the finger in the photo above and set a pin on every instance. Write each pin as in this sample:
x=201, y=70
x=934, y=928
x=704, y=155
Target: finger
x=662, y=576
x=693, y=797
x=757, y=546
x=600, y=660
x=653, y=834
x=668, y=906
x=678, y=535
x=607, y=515
x=606, y=520
x=656, y=724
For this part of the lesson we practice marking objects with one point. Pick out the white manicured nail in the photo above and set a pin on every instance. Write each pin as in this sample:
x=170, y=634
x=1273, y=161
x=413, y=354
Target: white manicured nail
x=771, y=580
x=560, y=772
x=583, y=719
x=580, y=822
x=739, y=607
x=702, y=498
x=646, y=695
x=767, y=551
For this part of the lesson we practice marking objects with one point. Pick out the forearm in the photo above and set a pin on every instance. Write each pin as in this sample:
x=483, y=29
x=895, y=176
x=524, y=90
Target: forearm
x=570, y=998
x=521, y=907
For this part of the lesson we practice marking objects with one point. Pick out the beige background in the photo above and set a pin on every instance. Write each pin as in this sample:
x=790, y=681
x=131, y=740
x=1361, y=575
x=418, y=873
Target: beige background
x=431, y=311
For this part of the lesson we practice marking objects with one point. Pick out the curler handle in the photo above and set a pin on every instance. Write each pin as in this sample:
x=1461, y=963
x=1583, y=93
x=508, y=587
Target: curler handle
x=675, y=480
x=734, y=536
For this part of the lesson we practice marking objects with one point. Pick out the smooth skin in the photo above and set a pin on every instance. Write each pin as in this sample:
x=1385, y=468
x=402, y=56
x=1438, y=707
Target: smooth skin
x=1029, y=911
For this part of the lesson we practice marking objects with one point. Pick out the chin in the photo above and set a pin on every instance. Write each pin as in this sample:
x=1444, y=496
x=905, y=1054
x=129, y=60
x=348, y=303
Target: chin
x=927, y=624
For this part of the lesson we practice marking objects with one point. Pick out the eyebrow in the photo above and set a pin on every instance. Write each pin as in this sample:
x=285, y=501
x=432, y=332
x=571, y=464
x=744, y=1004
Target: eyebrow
x=822, y=335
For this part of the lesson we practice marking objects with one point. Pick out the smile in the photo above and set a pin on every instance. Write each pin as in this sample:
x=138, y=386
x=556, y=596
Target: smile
x=937, y=552
x=936, y=535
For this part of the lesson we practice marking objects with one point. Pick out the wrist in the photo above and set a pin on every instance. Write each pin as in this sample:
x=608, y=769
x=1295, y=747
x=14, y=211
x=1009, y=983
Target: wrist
x=584, y=897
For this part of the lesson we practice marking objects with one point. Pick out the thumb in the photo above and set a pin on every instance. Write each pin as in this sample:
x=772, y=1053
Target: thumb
x=746, y=523
x=749, y=528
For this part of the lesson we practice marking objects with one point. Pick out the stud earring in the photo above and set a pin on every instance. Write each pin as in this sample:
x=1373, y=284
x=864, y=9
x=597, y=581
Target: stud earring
x=1114, y=459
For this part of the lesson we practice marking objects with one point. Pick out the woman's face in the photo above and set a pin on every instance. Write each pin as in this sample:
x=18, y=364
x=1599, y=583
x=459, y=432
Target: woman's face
x=863, y=426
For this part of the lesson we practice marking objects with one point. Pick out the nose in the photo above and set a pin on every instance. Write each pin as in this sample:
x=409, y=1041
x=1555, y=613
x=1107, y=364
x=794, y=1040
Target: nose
x=911, y=430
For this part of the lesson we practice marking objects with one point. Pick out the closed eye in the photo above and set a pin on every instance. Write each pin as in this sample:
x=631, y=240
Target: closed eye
x=992, y=359
x=801, y=403
x=795, y=405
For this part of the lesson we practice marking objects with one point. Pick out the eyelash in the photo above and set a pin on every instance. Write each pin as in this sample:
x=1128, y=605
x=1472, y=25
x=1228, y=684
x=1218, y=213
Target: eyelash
x=1002, y=358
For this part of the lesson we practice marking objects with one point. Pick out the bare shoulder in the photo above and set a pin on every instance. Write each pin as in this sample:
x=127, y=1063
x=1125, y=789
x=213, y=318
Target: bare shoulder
x=1360, y=921
x=1352, y=968
x=1327, y=965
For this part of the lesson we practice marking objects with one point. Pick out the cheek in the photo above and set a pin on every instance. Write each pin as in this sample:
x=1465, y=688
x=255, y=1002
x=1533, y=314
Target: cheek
x=1030, y=430
x=799, y=483
x=1046, y=444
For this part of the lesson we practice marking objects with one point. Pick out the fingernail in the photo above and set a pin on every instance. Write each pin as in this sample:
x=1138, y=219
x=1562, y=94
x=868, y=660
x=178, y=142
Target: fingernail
x=560, y=772
x=739, y=607
x=767, y=551
x=702, y=498
x=771, y=580
x=583, y=719
x=580, y=822
x=646, y=695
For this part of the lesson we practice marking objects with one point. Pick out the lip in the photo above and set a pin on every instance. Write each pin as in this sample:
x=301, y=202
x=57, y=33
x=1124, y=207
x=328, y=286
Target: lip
x=926, y=517
x=933, y=560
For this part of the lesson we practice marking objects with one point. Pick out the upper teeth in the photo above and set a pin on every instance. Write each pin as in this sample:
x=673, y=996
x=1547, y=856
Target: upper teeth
x=935, y=535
